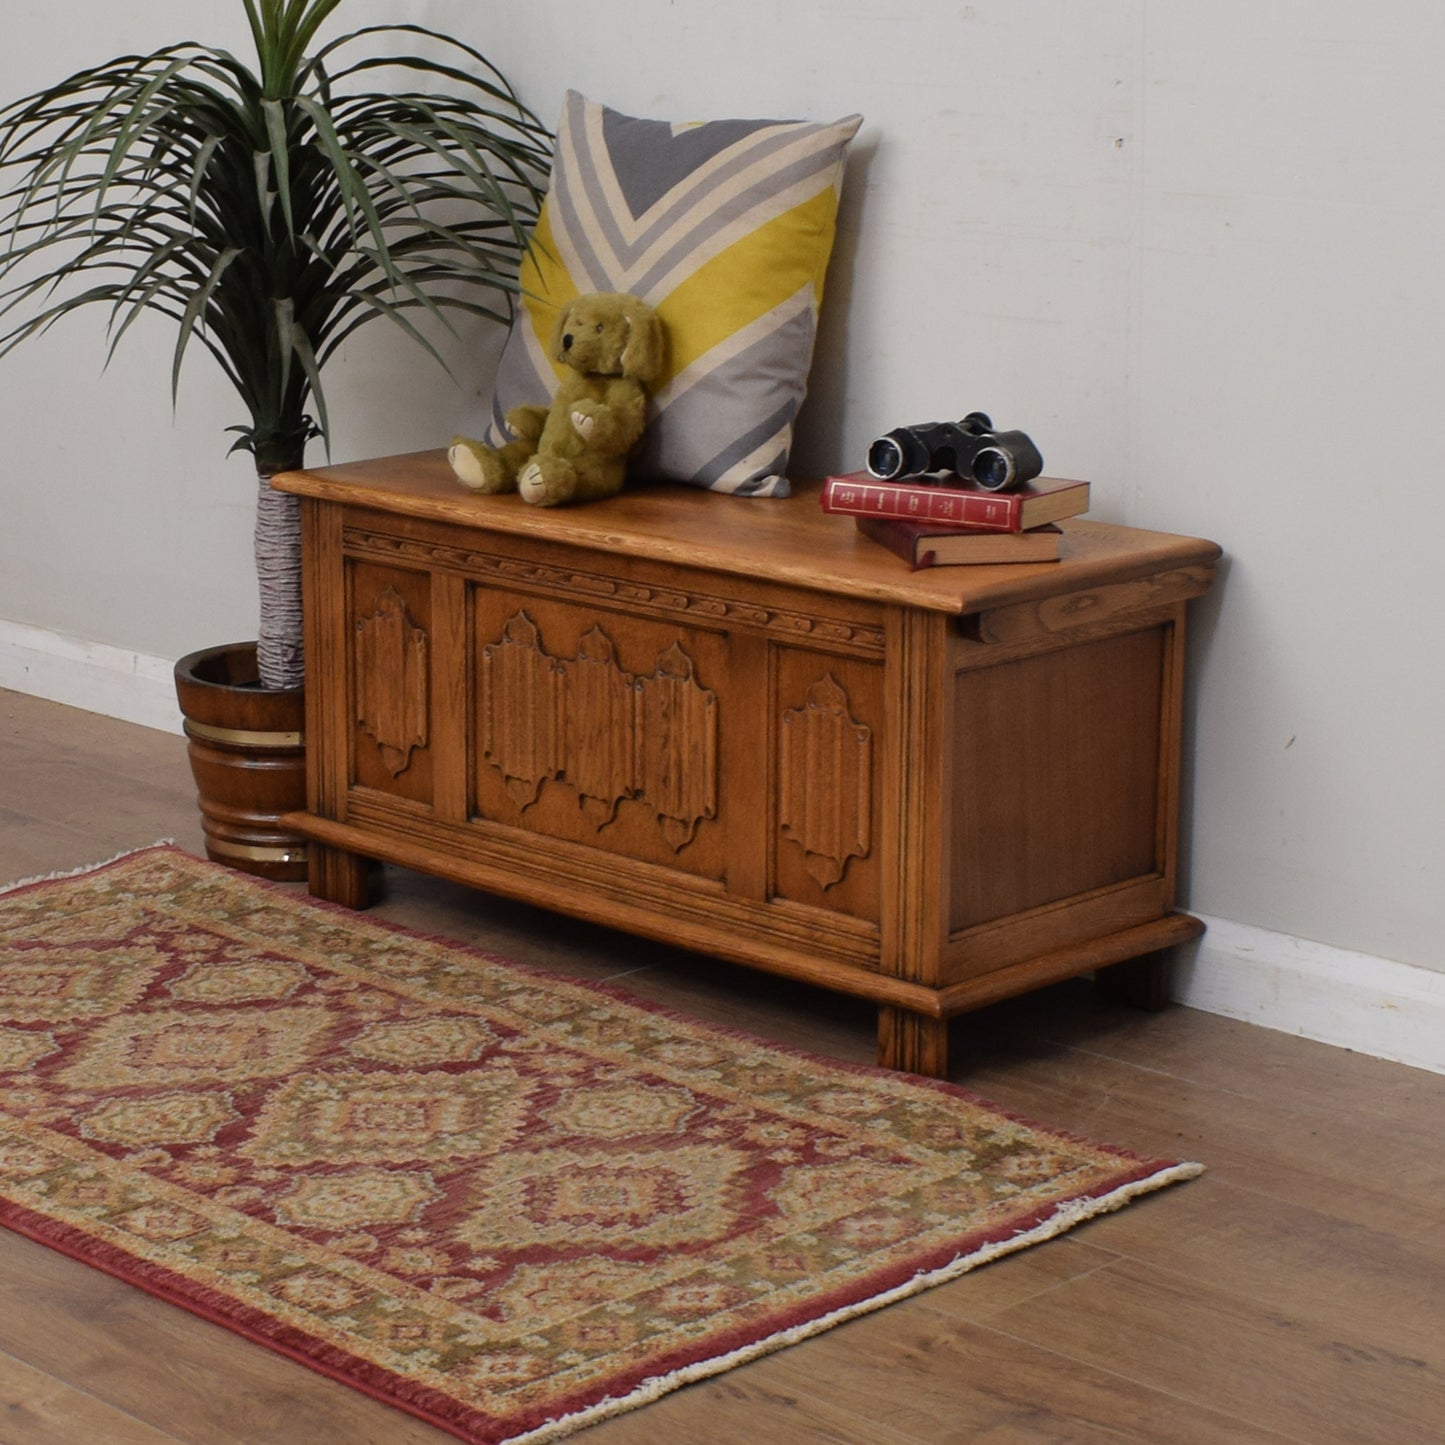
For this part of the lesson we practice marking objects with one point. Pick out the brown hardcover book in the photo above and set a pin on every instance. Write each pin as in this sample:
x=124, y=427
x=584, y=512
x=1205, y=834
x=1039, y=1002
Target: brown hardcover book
x=923, y=545
x=1048, y=499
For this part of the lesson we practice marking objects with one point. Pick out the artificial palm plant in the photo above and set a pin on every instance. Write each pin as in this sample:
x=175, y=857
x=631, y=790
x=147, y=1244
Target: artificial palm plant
x=269, y=212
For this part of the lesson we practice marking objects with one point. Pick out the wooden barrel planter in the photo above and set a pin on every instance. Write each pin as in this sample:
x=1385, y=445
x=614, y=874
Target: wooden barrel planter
x=248, y=757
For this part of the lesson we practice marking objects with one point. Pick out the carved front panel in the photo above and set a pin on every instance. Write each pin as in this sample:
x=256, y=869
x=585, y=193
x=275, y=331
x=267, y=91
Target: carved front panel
x=601, y=709
x=391, y=660
x=391, y=680
x=522, y=709
x=601, y=728
x=828, y=739
x=825, y=781
x=675, y=736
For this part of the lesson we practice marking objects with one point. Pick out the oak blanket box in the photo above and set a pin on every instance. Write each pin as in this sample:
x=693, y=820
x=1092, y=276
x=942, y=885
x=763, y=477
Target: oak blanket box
x=738, y=726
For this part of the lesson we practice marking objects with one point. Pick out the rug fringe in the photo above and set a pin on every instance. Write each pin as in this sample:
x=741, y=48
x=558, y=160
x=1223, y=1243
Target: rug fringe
x=85, y=867
x=1064, y=1218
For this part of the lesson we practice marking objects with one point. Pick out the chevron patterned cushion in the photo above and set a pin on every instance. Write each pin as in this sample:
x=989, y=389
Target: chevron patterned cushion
x=725, y=228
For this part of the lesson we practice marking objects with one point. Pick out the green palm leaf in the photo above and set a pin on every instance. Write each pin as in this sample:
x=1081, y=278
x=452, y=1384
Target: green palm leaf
x=270, y=211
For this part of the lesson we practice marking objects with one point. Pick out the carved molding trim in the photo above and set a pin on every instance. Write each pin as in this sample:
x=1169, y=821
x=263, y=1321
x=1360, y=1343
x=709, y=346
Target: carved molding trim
x=567, y=582
x=825, y=782
x=392, y=680
x=611, y=735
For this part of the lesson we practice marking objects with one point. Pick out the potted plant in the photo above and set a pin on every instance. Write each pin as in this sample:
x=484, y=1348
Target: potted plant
x=268, y=211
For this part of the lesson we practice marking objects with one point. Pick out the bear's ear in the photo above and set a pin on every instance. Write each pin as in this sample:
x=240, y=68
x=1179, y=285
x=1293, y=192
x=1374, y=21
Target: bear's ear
x=642, y=353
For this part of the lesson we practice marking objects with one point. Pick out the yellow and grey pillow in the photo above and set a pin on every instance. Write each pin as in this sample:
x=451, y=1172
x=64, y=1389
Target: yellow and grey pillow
x=725, y=228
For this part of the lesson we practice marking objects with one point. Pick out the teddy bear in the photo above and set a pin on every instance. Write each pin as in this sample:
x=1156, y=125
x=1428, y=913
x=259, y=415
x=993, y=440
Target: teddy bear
x=575, y=450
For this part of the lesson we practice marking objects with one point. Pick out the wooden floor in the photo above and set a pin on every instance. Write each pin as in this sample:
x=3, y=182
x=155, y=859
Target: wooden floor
x=1295, y=1292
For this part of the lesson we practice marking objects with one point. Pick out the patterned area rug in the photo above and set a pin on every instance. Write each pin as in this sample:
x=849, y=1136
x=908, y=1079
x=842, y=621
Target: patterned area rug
x=509, y=1204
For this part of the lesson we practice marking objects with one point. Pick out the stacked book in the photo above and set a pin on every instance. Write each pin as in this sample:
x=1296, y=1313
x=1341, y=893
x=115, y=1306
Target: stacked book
x=932, y=523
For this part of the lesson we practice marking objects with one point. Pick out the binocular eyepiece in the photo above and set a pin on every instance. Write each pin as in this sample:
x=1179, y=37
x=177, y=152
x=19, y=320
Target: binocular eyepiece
x=970, y=449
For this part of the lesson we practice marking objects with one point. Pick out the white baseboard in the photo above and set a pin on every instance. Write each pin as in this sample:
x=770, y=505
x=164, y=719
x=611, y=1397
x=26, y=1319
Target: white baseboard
x=1371, y=1005
x=89, y=675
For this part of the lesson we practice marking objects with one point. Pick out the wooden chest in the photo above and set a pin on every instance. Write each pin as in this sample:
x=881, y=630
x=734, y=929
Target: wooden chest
x=737, y=725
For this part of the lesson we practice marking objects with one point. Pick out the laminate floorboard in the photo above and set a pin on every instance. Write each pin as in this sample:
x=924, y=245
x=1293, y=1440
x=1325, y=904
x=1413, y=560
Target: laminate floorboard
x=1295, y=1292
x=39, y=1409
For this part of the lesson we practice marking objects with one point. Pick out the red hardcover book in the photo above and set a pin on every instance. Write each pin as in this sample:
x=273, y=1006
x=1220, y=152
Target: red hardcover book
x=1048, y=499
x=921, y=544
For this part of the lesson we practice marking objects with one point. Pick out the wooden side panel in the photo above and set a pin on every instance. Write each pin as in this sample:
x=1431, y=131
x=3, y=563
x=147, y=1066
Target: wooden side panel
x=1058, y=783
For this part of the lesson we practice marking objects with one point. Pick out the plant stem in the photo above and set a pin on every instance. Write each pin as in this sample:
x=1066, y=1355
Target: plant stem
x=279, y=651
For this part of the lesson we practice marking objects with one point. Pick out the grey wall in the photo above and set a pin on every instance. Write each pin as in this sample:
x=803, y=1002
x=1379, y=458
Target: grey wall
x=1193, y=249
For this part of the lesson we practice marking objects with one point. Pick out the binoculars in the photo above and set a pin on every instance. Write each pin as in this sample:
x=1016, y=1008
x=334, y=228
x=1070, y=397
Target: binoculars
x=971, y=449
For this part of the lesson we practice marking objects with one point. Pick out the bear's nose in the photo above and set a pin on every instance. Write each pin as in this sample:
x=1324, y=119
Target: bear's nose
x=567, y=342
